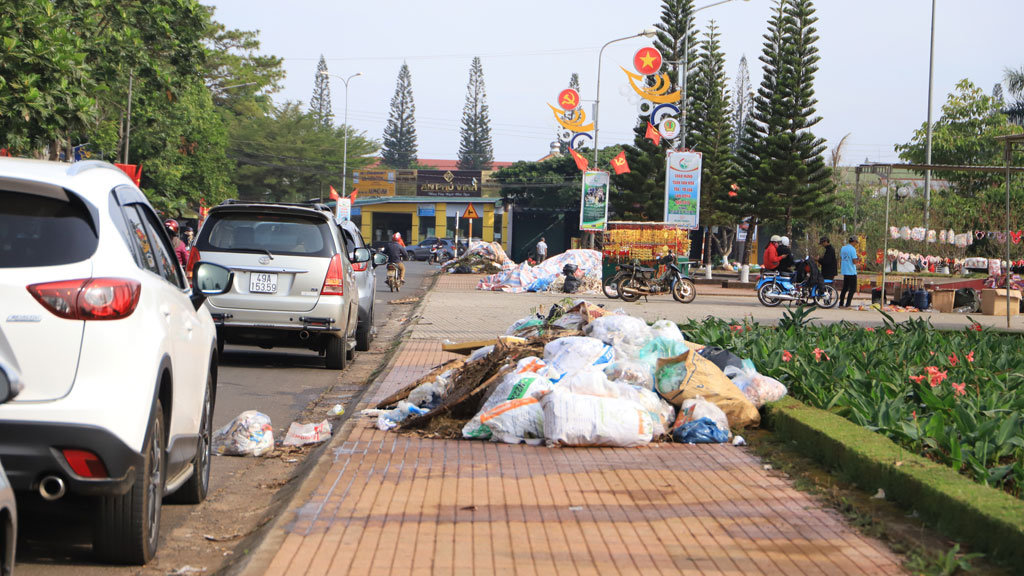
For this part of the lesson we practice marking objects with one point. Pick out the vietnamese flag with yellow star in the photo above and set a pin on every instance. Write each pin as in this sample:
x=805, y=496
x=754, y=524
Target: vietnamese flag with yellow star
x=581, y=162
x=619, y=163
x=647, y=60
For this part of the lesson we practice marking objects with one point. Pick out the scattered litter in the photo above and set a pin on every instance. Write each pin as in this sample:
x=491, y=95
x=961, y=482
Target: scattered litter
x=700, y=431
x=575, y=508
x=767, y=466
x=229, y=538
x=880, y=495
x=250, y=433
x=738, y=441
x=338, y=410
x=468, y=508
x=186, y=569
x=300, y=434
x=404, y=301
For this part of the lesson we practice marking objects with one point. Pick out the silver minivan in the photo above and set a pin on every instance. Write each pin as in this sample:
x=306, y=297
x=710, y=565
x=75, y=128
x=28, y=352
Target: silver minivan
x=294, y=283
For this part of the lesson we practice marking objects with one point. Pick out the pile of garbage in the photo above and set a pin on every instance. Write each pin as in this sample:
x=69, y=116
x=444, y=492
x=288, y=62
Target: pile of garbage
x=584, y=376
x=526, y=278
x=480, y=258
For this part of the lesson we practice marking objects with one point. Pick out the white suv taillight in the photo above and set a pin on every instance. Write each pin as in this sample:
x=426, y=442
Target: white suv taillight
x=334, y=283
x=193, y=259
x=89, y=299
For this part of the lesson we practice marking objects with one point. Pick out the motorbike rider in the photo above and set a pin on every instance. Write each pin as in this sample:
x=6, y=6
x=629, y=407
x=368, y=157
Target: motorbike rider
x=771, y=254
x=180, y=249
x=397, y=254
x=785, y=255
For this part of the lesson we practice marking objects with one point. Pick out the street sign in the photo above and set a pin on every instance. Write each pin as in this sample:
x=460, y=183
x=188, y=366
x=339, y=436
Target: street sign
x=470, y=212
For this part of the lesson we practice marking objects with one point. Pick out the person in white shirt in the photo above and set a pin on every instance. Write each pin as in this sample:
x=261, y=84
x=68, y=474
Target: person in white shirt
x=542, y=250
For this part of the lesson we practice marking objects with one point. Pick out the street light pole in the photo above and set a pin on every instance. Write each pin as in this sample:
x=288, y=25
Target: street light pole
x=344, y=158
x=928, y=130
x=647, y=33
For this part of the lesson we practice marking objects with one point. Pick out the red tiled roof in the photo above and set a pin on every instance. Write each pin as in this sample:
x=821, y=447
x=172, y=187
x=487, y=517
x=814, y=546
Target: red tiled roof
x=444, y=164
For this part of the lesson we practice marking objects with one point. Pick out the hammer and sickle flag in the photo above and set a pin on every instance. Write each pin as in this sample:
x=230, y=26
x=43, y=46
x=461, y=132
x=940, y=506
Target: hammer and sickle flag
x=581, y=162
x=653, y=134
x=619, y=163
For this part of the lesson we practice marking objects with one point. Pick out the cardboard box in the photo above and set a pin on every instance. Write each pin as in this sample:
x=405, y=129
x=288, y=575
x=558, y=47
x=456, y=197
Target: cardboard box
x=993, y=302
x=942, y=300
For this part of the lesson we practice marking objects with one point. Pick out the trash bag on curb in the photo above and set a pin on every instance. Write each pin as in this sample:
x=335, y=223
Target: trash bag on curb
x=515, y=386
x=250, y=433
x=574, y=353
x=721, y=357
x=702, y=431
x=690, y=375
x=759, y=388
x=668, y=330
x=696, y=408
x=299, y=434
x=633, y=372
x=516, y=421
x=582, y=420
x=627, y=334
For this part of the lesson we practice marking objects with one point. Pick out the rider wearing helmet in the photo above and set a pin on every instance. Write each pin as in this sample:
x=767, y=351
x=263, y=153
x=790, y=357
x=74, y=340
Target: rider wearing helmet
x=180, y=250
x=785, y=255
x=771, y=254
x=397, y=254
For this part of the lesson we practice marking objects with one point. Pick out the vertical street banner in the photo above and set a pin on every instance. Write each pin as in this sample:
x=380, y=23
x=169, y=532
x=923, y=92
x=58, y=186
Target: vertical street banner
x=344, y=209
x=682, y=189
x=594, y=204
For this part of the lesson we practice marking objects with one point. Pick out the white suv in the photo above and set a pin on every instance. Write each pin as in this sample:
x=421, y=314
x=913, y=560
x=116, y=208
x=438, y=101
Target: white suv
x=118, y=356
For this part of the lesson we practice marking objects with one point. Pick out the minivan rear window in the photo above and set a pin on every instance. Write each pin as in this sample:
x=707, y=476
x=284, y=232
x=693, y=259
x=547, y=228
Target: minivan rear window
x=286, y=234
x=44, y=231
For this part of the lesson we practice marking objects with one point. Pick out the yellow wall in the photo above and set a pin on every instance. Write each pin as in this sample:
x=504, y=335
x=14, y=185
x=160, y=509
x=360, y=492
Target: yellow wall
x=488, y=220
x=440, y=220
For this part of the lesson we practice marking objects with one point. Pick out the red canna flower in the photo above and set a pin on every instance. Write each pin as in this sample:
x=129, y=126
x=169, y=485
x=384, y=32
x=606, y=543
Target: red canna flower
x=976, y=327
x=970, y=356
x=914, y=414
x=917, y=379
x=818, y=353
x=786, y=356
x=869, y=329
x=935, y=376
x=953, y=360
x=889, y=332
x=960, y=391
x=736, y=328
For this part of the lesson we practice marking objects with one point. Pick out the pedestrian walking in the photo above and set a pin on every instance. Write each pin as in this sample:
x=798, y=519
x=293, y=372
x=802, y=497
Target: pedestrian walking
x=828, y=262
x=848, y=258
x=542, y=250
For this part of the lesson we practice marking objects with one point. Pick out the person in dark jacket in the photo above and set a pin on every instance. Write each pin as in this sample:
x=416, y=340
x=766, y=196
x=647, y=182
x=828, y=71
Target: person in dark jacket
x=397, y=254
x=828, y=262
x=785, y=255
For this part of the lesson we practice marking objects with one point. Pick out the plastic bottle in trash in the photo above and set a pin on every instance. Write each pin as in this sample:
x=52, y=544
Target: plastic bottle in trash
x=964, y=309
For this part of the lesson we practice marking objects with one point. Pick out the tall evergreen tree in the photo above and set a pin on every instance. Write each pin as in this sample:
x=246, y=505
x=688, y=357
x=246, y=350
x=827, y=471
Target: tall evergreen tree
x=320, y=103
x=742, y=104
x=641, y=191
x=712, y=132
x=784, y=172
x=1015, y=88
x=476, y=152
x=399, y=149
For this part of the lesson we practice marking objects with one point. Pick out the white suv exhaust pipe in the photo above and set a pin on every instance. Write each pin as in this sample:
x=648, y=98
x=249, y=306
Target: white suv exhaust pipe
x=52, y=488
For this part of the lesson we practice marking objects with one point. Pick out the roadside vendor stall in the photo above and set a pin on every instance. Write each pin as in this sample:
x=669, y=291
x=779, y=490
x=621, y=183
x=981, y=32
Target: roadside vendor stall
x=625, y=242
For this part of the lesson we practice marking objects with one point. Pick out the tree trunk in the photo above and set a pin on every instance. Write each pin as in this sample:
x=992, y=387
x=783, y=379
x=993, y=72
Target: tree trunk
x=726, y=243
x=750, y=237
x=706, y=256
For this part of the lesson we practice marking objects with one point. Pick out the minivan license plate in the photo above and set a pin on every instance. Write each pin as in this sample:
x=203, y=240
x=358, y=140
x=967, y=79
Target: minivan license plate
x=263, y=283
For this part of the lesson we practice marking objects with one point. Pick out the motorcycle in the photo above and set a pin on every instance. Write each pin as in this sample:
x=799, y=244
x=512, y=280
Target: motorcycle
x=637, y=281
x=392, y=278
x=610, y=286
x=774, y=288
x=439, y=253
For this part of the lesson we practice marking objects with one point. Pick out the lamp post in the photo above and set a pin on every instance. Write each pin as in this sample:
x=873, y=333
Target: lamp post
x=686, y=65
x=928, y=130
x=344, y=158
x=647, y=33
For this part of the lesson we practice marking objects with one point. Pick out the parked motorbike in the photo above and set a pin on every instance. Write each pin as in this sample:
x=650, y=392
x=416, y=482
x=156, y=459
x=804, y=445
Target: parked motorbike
x=439, y=253
x=610, y=286
x=774, y=288
x=640, y=281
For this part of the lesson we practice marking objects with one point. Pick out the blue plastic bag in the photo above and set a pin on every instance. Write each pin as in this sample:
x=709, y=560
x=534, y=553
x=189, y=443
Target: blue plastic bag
x=539, y=285
x=701, y=431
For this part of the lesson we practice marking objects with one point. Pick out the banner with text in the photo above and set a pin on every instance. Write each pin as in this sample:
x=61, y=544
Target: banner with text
x=374, y=183
x=682, y=189
x=594, y=204
x=448, y=183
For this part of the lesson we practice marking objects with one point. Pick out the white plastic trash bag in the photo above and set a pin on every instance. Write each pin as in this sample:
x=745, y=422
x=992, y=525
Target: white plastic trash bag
x=760, y=389
x=299, y=434
x=574, y=353
x=512, y=387
x=668, y=330
x=581, y=420
x=516, y=421
x=626, y=334
x=633, y=372
x=694, y=409
x=250, y=433
x=480, y=353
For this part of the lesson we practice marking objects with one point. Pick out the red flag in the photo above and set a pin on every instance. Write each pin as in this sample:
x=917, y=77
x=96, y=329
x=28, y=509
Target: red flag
x=653, y=134
x=581, y=162
x=334, y=194
x=352, y=196
x=619, y=163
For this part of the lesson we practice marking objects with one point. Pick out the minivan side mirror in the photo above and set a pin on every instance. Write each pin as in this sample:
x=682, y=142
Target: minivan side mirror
x=209, y=280
x=10, y=382
x=360, y=255
x=380, y=259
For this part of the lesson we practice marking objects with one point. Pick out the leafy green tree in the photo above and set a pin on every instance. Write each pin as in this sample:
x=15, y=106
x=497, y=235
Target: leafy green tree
x=476, y=152
x=784, y=173
x=320, y=103
x=241, y=78
x=400, y=133
x=641, y=191
x=552, y=183
x=713, y=135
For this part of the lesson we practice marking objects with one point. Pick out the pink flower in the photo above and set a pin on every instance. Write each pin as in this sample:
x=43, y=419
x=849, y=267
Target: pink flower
x=786, y=356
x=935, y=376
x=976, y=327
x=818, y=353
x=736, y=328
x=953, y=360
x=914, y=414
x=869, y=329
x=889, y=332
x=960, y=391
x=970, y=356
x=917, y=379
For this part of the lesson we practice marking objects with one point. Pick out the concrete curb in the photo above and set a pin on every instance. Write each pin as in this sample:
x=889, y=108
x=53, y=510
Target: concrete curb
x=989, y=519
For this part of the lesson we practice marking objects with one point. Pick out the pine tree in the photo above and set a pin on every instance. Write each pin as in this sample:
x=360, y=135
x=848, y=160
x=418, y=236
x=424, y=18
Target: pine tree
x=641, y=191
x=712, y=133
x=399, y=149
x=784, y=172
x=320, y=103
x=476, y=152
x=742, y=103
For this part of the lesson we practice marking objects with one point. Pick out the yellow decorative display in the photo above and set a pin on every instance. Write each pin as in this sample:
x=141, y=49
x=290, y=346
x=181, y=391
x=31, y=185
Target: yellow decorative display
x=656, y=93
x=574, y=125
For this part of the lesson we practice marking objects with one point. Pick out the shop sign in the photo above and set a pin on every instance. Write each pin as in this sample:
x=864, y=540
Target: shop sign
x=375, y=183
x=425, y=210
x=682, y=189
x=448, y=183
x=594, y=203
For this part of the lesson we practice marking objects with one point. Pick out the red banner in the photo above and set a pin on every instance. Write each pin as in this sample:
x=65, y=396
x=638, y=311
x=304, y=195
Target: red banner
x=134, y=171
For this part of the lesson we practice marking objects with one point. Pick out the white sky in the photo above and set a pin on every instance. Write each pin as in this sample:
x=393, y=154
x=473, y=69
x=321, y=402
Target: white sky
x=872, y=81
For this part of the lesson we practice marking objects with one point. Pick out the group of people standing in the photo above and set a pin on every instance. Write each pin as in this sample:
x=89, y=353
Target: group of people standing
x=778, y=257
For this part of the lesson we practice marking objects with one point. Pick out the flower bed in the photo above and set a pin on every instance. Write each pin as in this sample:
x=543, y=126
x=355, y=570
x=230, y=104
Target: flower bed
x=954, y=397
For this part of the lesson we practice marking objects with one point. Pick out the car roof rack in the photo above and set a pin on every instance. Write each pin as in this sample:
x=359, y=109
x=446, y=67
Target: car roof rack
x=317, y=205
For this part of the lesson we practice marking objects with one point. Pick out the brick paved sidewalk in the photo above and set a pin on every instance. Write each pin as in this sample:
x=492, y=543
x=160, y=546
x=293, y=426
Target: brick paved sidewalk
x=395, y=504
